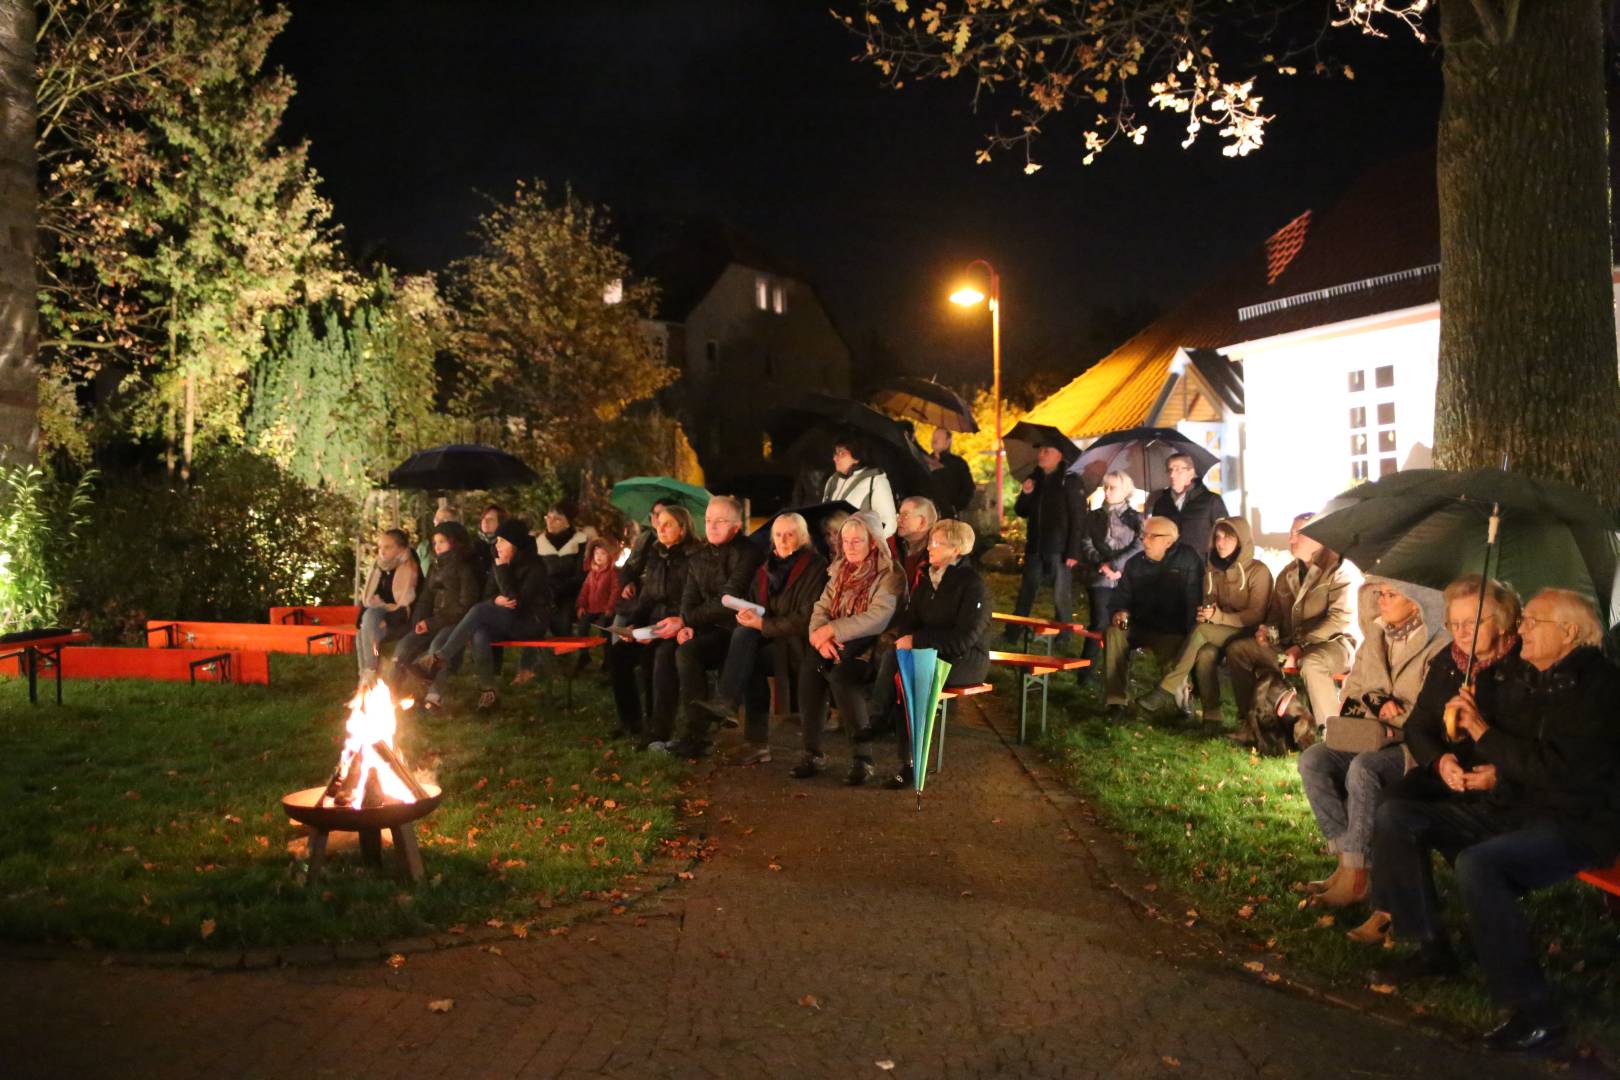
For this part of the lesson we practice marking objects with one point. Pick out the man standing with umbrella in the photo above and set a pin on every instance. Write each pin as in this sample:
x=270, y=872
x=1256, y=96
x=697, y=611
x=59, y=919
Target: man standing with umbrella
x=1193, y=507
x=952, y=481
x=1055, y=505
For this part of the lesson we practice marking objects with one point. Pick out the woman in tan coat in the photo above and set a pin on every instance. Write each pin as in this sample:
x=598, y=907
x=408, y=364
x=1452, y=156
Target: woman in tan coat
x=1237, y=587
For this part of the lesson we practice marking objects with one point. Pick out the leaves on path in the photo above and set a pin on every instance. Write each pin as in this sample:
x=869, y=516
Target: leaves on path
x=887, y=1065
x=1174, y=1063
x=208, y=927
x=396, y=960
x=443, y=1005
x=1381, y=988
x=810, y=1001
x=1255, y=966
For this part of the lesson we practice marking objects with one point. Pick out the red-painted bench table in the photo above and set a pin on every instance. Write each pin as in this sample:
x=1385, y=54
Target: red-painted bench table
x=946, y=696
x=317, y=615
x=557, y=646
x=163, y=665
x=263, y=637
x=1044, y=630
x=1035, y=670
x=29, y=649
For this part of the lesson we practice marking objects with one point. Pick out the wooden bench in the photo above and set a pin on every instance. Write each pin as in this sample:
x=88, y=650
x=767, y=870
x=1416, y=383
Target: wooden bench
x=30, y=649
x=316, y=615
x=1607, y=880
x=1034, y=670
x=557, y=646
x=1045, y=631
x=162, y=665
x=942, y=719
x=261, y=637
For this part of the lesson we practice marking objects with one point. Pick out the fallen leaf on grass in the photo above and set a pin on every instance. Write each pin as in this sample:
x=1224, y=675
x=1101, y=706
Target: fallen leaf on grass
x=396, y=960
x=1325, y=921
x=685, y=875
x=208, y=926
x=886, y=1065
x=774, y=866
x=1246, y=911
x=494, y=923
x=1255, y=965
x=459, y=928
x=520, y=930
x=443, y=1005
x=1381, y=988
x=810, y=1001
x=1174, y=1063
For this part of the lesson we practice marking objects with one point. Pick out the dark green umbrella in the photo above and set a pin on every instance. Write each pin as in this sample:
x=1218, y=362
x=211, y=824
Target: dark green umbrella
x=634, y=497
x=1432, y=526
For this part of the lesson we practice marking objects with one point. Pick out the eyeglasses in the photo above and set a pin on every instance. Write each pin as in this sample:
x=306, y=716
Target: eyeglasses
x=1466, y=626
x=1528, y=621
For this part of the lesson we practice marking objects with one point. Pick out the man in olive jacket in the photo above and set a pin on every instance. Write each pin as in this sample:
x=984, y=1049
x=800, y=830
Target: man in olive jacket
x=1551, y=809
x=723, y=567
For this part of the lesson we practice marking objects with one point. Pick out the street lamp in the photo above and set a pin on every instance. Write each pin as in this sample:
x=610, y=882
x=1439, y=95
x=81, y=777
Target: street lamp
x=967, y=296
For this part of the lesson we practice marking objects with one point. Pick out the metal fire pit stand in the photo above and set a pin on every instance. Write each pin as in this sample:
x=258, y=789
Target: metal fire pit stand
x=305, y=808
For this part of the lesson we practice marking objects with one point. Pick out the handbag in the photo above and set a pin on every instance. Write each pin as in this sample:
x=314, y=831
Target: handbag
x=1358, y=734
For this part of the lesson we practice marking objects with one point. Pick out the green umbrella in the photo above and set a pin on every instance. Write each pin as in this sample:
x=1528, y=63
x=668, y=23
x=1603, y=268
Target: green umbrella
x=922, y=680
x=635, y=497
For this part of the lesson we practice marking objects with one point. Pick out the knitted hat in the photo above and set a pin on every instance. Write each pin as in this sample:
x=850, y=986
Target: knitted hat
x=514, y=531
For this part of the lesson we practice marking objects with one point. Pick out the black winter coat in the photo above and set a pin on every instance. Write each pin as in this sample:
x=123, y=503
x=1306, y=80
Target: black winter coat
x=1162, y=596
x=1056, y=510
x=951, y=485
x=1425, y=726
x=787, y=612
x=1553, y=739
x=1196, y=519
x=525, y=580
x=661, y=584
x=565, y=563
x=718, y=570
x=954, y=618
x=453, y=586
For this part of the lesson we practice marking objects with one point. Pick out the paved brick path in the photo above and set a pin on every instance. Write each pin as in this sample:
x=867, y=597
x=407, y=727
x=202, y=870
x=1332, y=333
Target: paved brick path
x=976, y=938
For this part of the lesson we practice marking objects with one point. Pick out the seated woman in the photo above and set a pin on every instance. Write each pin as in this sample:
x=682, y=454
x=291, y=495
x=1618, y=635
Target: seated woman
x=520, y=608
x=453, y=586
x=1237, y=587
x=562, y=551
x=862, y=593
x=863, y=486
x=385, y=602
x=949, y=611
x=1402, y=629
x=655, y=602
x=1112, y=534
x=786, y=586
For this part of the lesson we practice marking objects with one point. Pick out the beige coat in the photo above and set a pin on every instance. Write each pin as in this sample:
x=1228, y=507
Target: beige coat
x=1396, y=668
x=1242, y=591
x=1315, y=610
x=869, y=623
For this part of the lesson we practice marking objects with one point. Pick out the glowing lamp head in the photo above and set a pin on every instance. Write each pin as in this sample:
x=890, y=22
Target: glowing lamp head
x=967, y=296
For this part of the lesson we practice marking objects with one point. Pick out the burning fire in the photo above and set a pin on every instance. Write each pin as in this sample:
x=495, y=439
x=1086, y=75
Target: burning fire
x=371, y=769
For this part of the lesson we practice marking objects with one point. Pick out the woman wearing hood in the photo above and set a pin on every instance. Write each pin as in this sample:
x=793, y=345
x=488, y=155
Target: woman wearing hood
x=1403, y=628
x=1237, y=587
x=863, y=486
x=863, y=591
x=453, y=586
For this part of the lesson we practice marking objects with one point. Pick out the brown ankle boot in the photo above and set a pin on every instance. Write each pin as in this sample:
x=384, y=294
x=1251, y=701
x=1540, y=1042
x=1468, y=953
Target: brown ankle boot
x=1317, y=888
x=1351, y=888
x=1371, y=932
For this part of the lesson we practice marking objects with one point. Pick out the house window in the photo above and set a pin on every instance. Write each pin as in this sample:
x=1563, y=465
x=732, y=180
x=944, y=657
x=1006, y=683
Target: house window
x=1388, y=466
x=1384, y=377
x=1358, y=469
x=1386, y=412
x=1358, y=417
x=762, y=293
x=1375, y=447
x=1358, y=381
x=779, y=300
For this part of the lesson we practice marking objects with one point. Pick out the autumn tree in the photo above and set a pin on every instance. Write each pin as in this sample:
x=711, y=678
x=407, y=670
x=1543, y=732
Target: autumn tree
x=548, y=329
x=1528, y=364
x=19, y=197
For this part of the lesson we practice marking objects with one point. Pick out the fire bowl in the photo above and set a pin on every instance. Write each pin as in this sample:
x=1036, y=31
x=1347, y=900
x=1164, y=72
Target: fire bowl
x=305, y=808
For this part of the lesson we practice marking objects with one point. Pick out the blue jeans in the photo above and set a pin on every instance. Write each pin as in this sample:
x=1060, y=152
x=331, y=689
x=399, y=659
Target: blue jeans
x=377, y=626
x=481, y=627
x=1343, y=789
x=1498, y=858
x=1038, y=570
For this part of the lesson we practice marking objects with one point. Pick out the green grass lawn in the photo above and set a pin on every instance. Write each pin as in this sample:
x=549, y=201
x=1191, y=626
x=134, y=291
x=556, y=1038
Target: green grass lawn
x=139, y=815
x=1233, y=836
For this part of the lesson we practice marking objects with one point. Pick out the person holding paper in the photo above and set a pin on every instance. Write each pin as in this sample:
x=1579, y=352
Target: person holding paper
x=863, y=591
x=720, y=569
x=654, y=609
x=771, y=633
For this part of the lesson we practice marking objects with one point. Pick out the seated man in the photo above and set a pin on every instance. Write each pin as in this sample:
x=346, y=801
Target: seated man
x=1154, y=606
x=909, y=544
x=1551, y=809
x=1401, y=632
x=723, y=567
x=1311, y=612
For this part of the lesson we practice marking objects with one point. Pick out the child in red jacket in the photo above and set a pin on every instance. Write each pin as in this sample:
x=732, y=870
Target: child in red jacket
x=594, y=605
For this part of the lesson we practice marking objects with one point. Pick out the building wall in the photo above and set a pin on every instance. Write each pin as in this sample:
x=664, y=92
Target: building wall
x=1309, y=404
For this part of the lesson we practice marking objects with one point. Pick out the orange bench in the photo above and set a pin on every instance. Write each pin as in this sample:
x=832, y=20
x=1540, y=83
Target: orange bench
x=1033, y=669
x=262, y=637
x=164, y=665
x=316, y=615
x=946, y=696
x=30, y=648
x=1607, y=880
x=557, y=646
x=1044, y=630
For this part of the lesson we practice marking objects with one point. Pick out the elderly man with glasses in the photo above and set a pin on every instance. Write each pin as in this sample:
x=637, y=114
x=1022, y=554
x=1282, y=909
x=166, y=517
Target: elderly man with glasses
x=1153, y=606
x=1543, y=722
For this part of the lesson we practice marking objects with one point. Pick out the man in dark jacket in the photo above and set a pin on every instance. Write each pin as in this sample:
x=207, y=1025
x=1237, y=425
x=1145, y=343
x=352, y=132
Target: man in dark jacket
x=453, y=586
x=1154, y=606
x=951, y=482
x=1552, y=809
x=1193, y=507
x=724, y=567
x=1055, y=505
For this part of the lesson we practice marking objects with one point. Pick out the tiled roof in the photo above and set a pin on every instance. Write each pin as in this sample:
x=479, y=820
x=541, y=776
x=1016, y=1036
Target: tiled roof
x=1385, y=225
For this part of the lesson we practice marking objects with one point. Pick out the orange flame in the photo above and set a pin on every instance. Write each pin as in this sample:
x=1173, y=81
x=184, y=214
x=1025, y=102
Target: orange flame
x=372, y=719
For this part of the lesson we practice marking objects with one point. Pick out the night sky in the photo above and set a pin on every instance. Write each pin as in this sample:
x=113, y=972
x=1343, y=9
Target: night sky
x=754, y=112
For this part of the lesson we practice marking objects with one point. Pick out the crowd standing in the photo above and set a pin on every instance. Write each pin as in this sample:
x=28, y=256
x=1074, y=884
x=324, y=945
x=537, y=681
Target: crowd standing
x=1464, y=723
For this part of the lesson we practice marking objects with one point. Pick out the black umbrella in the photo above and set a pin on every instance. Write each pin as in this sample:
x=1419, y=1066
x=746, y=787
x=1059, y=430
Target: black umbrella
x=1025, y=438
x=461, y=467
x=808, y=427
x=814, y=516
x=1142, y=453
x=926, y=401
x=1432, y=526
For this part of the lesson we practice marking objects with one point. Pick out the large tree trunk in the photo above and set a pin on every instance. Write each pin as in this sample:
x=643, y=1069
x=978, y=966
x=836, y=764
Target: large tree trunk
x=1528, y=364
x=19, y=210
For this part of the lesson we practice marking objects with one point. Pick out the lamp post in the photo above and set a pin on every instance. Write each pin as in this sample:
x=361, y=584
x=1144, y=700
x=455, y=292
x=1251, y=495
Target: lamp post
x=970, y=297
